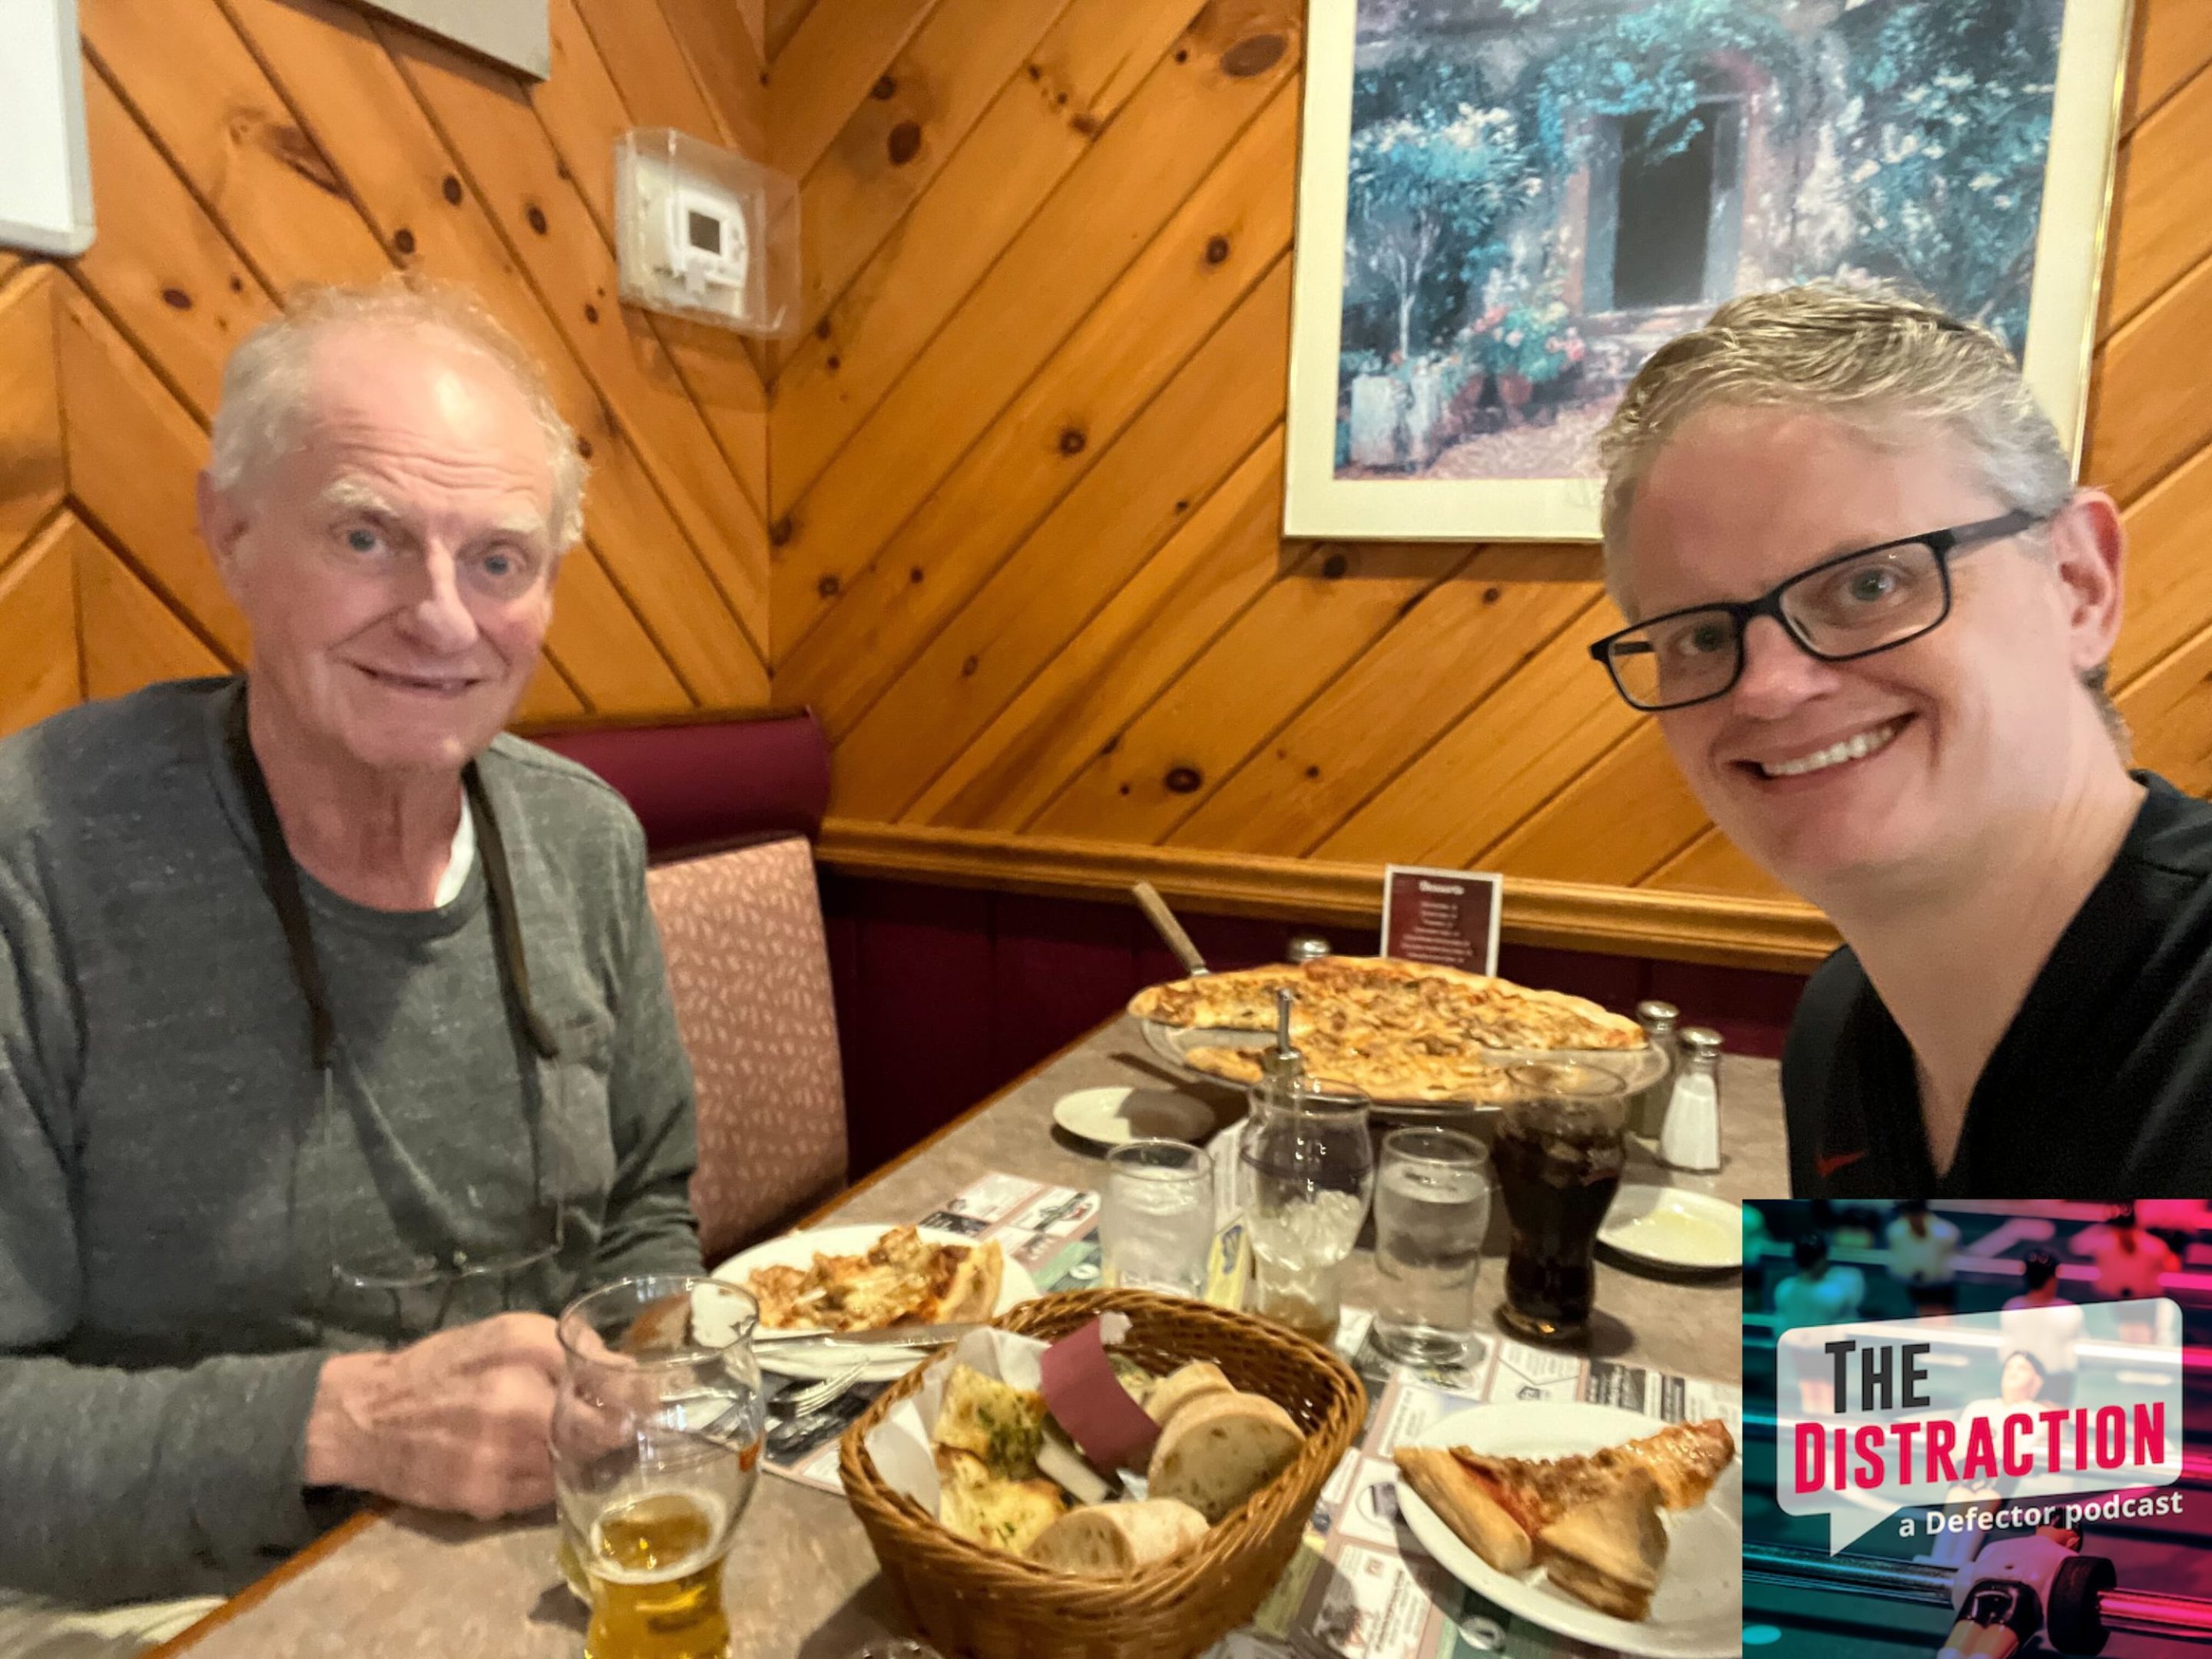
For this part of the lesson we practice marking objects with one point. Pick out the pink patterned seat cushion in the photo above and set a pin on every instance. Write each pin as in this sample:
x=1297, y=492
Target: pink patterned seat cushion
x=749, y=971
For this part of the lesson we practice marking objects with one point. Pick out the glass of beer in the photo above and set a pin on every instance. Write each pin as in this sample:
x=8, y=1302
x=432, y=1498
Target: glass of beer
x=656, y=1436
x=1558, y=1152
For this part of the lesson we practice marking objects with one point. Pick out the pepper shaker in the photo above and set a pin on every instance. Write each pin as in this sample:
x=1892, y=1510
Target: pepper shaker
x=1691, y=1137
x=1308, y=947
x=1647, y=1112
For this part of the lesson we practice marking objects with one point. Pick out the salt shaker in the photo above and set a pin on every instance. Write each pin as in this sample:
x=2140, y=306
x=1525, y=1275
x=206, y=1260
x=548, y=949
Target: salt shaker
x=1309, y=947
x=1691, y=1137
x=1647, y=1110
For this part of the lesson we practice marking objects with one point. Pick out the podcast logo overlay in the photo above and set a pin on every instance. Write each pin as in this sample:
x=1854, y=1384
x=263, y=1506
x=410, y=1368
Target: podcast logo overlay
x=2020, y=1414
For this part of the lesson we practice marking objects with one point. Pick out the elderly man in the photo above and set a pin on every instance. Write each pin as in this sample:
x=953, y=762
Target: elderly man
x=336, y=1049
x=1872, y=613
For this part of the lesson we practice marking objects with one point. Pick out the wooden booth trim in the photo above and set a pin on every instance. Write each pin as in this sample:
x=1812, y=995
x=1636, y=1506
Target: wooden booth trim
x=1709, y=927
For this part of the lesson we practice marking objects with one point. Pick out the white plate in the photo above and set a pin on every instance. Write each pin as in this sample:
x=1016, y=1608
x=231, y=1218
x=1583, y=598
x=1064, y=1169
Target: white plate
x=799, y=1249
x=1699, y=1611
x=1634, y=1067
x=1674, y=1227
x=1113, y=1117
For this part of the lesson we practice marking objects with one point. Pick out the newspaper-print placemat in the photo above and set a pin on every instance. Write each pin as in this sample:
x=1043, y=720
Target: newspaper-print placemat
x=1362, y=1587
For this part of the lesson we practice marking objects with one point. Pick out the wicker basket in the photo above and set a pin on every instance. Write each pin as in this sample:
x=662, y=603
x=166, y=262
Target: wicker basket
x=984, y=1603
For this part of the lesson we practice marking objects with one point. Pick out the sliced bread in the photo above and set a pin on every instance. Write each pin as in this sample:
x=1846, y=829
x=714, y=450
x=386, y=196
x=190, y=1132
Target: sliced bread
x=1114, y=1539
x=1220, y=1448
x=1180, y=1387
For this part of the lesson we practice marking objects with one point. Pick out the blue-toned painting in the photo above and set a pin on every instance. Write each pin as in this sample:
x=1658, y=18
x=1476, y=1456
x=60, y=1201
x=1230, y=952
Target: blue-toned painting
x=1537, y=193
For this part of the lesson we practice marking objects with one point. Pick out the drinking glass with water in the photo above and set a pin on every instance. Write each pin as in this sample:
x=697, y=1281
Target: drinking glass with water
x=1157, y=1227
x=1432, y=1208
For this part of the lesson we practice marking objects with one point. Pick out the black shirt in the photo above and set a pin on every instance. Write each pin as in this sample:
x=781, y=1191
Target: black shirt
x=2101, y=1087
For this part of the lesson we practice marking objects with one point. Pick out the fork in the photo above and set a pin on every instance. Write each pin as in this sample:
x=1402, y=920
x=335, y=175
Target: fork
x=808, y=1400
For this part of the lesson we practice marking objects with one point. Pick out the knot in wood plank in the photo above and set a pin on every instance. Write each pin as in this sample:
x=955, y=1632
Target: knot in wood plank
x=1254, y=55
x=1182, y=780
x=904, y=143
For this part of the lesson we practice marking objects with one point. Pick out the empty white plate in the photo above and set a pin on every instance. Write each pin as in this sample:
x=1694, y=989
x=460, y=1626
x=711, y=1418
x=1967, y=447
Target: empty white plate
x=1674, y=1227
x=1111, y=1117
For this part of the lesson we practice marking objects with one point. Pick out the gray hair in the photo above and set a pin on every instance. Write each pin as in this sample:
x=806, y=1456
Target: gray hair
x=267, y=382
x=1870, y=355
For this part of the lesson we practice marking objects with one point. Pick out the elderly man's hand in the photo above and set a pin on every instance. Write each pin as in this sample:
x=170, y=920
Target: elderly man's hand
x=458, y=1421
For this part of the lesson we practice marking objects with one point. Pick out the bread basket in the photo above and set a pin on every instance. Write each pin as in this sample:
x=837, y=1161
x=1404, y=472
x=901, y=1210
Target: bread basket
x=984, y=1603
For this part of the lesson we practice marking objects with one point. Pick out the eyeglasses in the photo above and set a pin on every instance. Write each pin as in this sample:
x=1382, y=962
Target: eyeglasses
x=1850, y=607
x=412, y=1298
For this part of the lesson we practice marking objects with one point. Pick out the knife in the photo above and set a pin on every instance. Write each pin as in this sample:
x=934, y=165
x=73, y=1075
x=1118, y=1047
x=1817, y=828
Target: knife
x=898, y=1336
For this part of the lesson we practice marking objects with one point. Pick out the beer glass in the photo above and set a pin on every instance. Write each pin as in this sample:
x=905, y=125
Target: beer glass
x=656, y=1446
x=1557, y=1151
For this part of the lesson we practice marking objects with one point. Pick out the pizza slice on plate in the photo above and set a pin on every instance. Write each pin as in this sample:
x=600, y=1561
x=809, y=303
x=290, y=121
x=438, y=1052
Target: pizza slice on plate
x=1591, y=1518
x=902, y=1278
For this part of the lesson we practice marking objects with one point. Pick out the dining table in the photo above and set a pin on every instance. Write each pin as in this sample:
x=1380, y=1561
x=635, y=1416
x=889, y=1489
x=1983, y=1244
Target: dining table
x=394, y=1583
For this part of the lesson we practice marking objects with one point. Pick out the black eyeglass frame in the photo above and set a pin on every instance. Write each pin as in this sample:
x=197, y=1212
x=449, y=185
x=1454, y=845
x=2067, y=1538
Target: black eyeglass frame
x=1942, y=544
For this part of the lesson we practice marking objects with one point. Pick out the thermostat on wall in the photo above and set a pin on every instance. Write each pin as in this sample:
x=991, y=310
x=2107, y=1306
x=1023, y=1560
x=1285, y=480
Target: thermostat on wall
x=705, y=233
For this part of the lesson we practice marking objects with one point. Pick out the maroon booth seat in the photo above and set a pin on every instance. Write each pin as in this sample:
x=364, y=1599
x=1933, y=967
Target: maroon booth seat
x=728, y=807
x=704, y=783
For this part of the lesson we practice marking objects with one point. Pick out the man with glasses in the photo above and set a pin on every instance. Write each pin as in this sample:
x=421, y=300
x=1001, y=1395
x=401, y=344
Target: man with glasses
x=336, y=1047
x=1871, y=614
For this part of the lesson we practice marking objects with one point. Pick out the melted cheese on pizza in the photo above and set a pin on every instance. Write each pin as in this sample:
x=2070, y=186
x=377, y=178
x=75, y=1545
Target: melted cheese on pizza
x=903, y=1279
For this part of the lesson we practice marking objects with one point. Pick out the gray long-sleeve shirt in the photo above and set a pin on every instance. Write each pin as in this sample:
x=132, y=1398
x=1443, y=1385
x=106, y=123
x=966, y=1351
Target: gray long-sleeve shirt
x=176, y=1186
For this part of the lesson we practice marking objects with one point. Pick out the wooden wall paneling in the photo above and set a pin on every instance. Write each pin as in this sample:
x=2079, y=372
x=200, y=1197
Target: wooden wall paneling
x=34, y=472
x=1224, y=249
x=782, y=19
x=1462, y=642
x=2146, y=413
x=396, y=164
x=482, y=114
x=606, y=651
x=1616, y=823
x=2176, y=43
x=1714, y=864
x=2170, y=712
x=753, y=16
x=2162, y=229
x=648, y=65
x=160, y=266
x=1034, y=132
x=827, y=66
x=1222, y=556
x=128, y=637
x=897, y=138
x=1105, y=213
x=10, y=263
x=1028, y=607
x=286, y=210
x=134, y=453
x=1498, y=764
x=727, y=65
x=583, y=109
x=549, y=697
x=2168, y=585
x=1250, y=683
x=37, y=607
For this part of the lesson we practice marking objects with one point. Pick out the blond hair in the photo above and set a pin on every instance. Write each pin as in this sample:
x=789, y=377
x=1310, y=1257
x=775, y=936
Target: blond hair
x=1886, y=364
x=267, y=382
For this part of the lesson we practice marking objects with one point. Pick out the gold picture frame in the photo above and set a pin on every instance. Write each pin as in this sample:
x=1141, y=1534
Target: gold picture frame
x=1334, y=488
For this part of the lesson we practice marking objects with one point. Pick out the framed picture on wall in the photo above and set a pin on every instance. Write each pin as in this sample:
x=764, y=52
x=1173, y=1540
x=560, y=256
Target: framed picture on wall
x=1506, y=205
